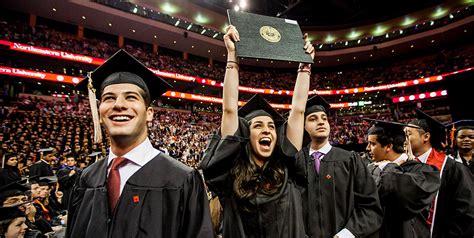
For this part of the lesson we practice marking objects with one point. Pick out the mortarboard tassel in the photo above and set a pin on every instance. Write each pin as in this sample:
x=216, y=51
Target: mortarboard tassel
x=94, y=110
x=409, y=151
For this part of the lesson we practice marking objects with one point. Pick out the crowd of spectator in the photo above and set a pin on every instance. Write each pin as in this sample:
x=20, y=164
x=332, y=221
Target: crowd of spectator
x=444, y=61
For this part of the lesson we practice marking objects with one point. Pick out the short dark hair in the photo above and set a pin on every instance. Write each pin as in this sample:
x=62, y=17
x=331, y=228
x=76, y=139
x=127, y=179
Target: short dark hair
x=384, y=137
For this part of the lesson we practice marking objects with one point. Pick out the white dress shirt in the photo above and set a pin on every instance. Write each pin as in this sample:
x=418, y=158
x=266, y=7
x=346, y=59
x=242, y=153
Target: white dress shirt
x=424, y=157
x=344, y=233
x=137, y=158
x=401, y=159
x=325, y=150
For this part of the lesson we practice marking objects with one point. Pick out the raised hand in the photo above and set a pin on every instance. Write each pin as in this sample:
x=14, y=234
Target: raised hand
x=230, y=38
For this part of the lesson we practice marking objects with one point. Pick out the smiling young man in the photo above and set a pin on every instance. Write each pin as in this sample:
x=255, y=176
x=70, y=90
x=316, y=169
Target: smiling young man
x=406, y=187
x=452, y=213
x=137, y=191
x=340, y=198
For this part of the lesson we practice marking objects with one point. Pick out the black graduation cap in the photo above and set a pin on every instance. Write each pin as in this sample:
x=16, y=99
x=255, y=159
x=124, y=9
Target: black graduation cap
x=391, y=129
x=122, y=67
x=94, y=154
x=46, y=150
x=10, y=213
x=436, y=129
x=12, y=189
x=258, y=106
x=316, y=104
x=47, y=180
x=461, y=124
x=270, y=38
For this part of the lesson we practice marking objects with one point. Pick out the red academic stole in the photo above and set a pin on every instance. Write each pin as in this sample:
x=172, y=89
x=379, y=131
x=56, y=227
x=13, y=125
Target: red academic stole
x=437, y=159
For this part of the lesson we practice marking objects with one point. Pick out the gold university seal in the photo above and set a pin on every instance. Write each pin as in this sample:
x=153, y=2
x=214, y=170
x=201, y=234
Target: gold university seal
x=270, y=34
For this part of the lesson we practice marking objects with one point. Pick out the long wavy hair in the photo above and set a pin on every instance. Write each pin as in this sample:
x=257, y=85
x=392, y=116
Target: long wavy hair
x=250, y=180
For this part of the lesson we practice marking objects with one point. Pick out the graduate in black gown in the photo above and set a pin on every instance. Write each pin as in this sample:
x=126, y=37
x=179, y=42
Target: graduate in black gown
x=452, y=213
x=406, y=187
x=67, y=176
x=340, y=198
x=136, y=191
x=42, y=168
x=463, y=143
x=248, y=163
x=9, y=172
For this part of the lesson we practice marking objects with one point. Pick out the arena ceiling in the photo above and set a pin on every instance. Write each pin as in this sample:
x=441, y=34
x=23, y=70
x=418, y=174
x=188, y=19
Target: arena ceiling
x=316, y=17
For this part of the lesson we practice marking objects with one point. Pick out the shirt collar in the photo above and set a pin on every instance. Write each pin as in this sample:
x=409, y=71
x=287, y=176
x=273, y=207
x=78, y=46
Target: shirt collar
x=137, y=155
x=424, y=157
x=403, y=157
x=325, y=149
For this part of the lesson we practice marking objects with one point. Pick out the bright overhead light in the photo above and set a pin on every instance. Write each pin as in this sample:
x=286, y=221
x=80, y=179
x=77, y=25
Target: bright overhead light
x=54, y=9
x=243, y=4
x=329, y=39
x=354, y=34
x=215, y=35
x=169, y=8
x=110, y=24
x=189, y=27
x=408, y=21
x=84, y=17
x=203, y=31
x=133, y=30
x=439, y=12
x=177, y=23
x=199, y=18
x=379, y=30
x=135, y=10
x=236, y=8
x=154, y=36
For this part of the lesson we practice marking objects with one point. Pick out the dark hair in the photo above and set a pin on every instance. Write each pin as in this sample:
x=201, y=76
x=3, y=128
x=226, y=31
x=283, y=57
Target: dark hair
x=384, y=137
x=423, y=124
x=250, y=180
x=462, y=128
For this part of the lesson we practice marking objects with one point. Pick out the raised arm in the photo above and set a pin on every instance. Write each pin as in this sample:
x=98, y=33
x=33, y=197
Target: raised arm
x=295, y=127
x=230, y=119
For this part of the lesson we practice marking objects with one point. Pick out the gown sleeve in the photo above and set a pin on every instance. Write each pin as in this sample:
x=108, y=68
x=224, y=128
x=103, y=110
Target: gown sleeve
x=219, y=157
x=77, y=196
x=413, y=187
x=367, y=216
x=197, y=219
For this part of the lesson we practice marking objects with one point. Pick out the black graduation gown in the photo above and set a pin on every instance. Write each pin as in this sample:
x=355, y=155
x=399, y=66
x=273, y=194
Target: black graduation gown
x=9, y=175
x=454, y=215
x=66, y=183
x=41, y=169
x=164, y=198
x=343, y=195
x=278, y=216
x=406, y=193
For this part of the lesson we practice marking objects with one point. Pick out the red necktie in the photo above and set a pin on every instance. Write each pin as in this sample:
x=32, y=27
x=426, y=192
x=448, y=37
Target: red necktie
x=113, y=181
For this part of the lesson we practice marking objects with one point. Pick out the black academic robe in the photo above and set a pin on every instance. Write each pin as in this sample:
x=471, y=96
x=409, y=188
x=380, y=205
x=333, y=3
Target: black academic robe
x=164, y=198
x=276, y=216
x=406, y=193
x=66, y=183
x=342, y=195
x=9, y=175
x=41, y=169
x=454, y=215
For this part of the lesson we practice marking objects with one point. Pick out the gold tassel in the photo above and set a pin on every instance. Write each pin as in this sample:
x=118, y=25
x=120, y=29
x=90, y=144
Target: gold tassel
x=94, y=110
x=409, y=151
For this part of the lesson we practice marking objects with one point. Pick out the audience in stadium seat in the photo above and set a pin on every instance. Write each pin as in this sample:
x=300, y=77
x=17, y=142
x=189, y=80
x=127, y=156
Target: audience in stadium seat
x=380, y=73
